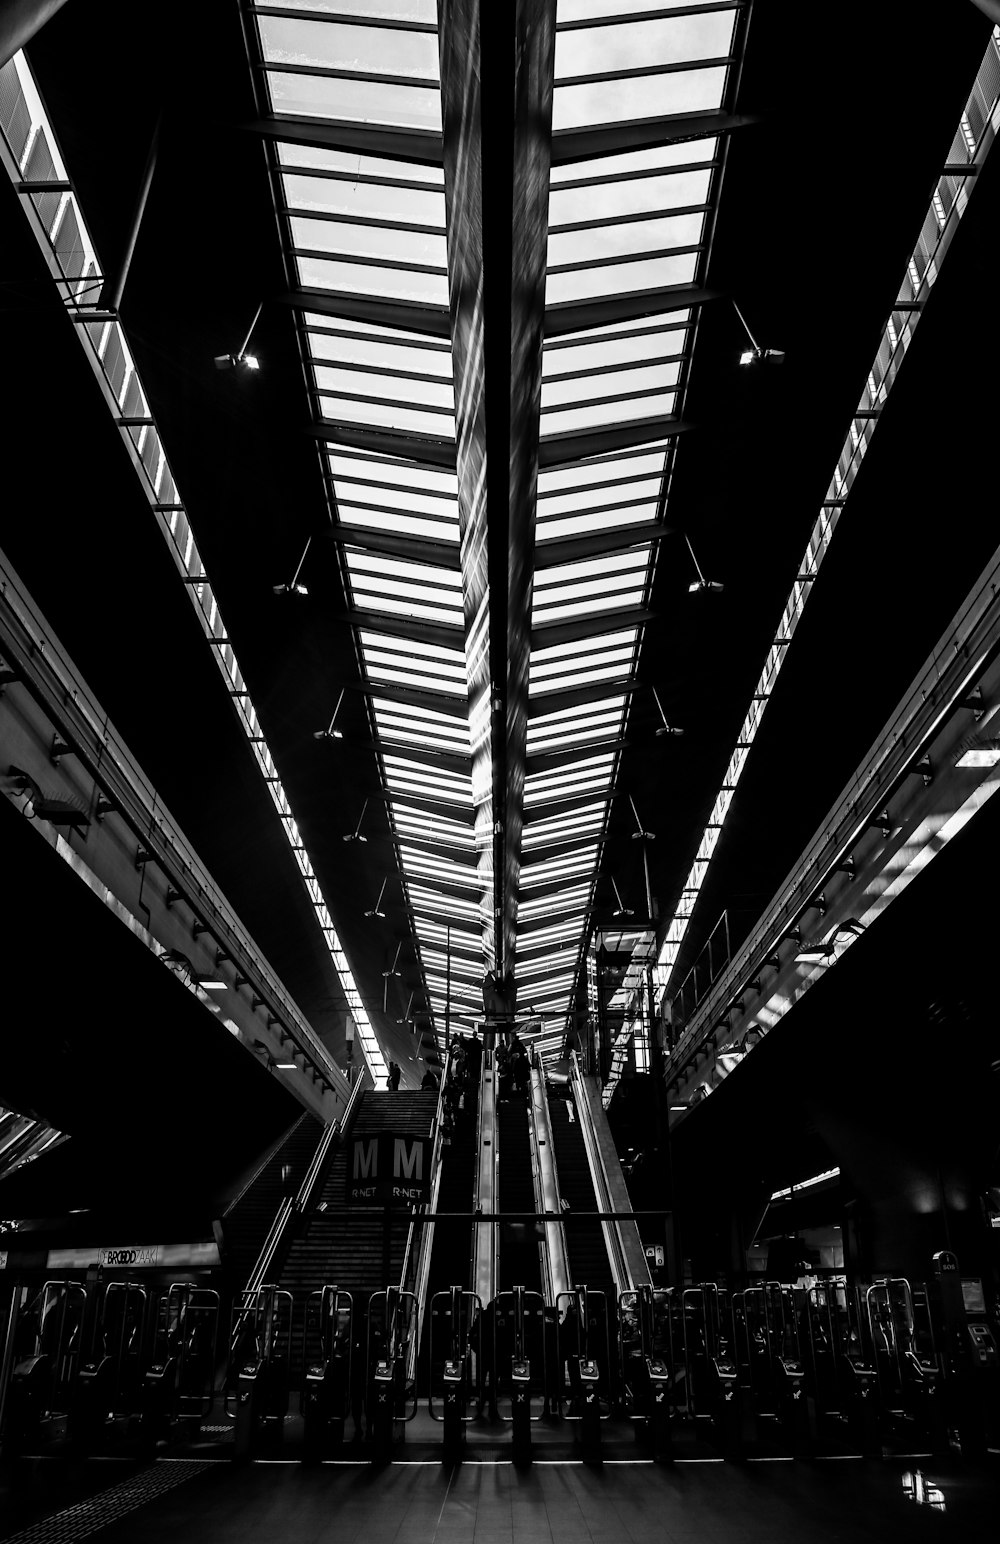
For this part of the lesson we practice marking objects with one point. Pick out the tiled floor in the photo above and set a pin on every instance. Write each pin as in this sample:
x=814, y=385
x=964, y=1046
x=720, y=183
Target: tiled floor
x=557, y=1503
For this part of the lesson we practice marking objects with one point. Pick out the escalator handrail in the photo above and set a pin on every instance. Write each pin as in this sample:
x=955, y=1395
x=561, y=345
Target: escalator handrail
x=617, y=1253
x=556, y=1276
x=484, y=1247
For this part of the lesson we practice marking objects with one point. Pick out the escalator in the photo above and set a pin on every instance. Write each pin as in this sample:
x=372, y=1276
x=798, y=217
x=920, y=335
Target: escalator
x=519, y=1263
x=451, y=1251
x=585, y=1242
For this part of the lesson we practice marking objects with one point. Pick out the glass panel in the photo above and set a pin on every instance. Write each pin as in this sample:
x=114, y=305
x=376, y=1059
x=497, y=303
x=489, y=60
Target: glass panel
x=369, y=200
x=393, y=10
x=646, y=273
x=427, y=363
x=326, y=273
x=634, y=382
x=357, y=50
x=641, y=348
x=398, y=387
x=683, y=153
x=644, y=96
x=636, y=45
x=627, y=410
x=621, y=238
x=632, y=196
x=351, y=166
x=387, y=415
x=356, y=101
x=406, y=247
x=397, y=473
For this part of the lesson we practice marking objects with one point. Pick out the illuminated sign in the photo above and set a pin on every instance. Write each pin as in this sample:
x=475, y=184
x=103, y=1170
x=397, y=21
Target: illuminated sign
x=133, y=1257
x=387, y=1169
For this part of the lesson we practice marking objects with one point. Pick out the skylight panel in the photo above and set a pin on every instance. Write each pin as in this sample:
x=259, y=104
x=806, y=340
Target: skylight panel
x=579, y=825
x=631, y=563
x=680, y=156
x=435, y=782
x=461, y=942
x=425, y=866
x=589, y=474
x=396, y=245
x=656, y=42
x=390, y=388
x=349, y=48
x=389, y=473
x=617, y=278
x=604, y=238
x=576, y=208
x=351, y=167
x=422, y=12
x=363, y=516
x=622, y=409
x=378, y=354
x=358, y=100
x=639, y=96
x=573, y=897
x=362, y=200
x=384, y=279
x=642, y=349
x=575, y=725
x=421, y=725
x=407, y=579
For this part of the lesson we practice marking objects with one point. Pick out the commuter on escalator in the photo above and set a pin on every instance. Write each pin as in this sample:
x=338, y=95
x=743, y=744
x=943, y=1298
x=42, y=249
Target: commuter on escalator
x=395, y=1073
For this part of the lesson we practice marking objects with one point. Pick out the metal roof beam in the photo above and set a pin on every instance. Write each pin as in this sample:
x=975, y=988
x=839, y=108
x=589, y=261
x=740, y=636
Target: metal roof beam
x=420, y=448
x=549, y=635
x=532, y=144
x=460, y=49
x=569, y=316
x=577, y=549
x=610, y=139
x=392, y=626
x=563, y=449
x=419, y=147
x=579, y=697
x=415, y=549
x=402, y=315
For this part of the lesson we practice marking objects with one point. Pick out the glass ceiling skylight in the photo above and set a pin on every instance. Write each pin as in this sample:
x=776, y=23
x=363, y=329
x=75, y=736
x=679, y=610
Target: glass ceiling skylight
x=632, y=223
x=366, y=230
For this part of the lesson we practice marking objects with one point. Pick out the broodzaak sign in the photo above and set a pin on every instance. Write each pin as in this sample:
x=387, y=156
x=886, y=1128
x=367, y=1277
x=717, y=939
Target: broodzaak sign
x=386, y=1169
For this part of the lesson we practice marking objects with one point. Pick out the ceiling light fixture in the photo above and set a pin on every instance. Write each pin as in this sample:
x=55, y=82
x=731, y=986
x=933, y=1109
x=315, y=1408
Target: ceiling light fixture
x=622, y=909
x=755, y=354
x=979, y=756
x=331, y=732
x=640, y=835
x=295, y=587
x=355, y=835
x=666, y=727
x=376, y=910
x=241, y=359
x=701, y=585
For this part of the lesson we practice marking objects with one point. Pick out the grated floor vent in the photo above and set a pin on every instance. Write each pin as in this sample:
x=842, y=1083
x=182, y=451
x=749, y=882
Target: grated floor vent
x=108, y=1506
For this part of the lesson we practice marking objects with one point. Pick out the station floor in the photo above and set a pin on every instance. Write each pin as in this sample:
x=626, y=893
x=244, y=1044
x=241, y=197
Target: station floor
x=203, y=1498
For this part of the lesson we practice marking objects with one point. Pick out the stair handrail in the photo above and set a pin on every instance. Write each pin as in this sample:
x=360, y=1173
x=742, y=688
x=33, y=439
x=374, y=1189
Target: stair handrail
x=556, y=1275
x=417, y=1255
x=618, y=1255
x=297, y=1205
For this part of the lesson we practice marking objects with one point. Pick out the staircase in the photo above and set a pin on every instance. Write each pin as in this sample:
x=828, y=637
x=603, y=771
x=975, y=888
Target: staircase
x=247, y=1220
x=585, y=1246
x=356, y=1248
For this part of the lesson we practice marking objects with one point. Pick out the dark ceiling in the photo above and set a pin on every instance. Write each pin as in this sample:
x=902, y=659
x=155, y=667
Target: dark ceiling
x=822, y=201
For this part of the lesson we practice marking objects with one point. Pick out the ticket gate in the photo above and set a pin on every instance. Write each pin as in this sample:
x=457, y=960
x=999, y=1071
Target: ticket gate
x=108, y=1378
x=327, y=1351
x=969, y=1354
x=48, y=1337
x=259, y=1354
x=768, y=1336
x=706, y=1375
x=519, y=1363
x=455, y=1353
x=841, y=1376
x=179, y=1382
x=911, y=1394
x=584, y=1382
x=391, y=1366
x=647, y=1370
